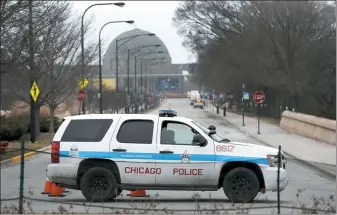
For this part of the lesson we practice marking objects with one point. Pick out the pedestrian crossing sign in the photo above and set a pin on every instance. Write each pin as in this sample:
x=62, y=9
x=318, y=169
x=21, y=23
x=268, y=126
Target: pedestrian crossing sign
x=34, y=91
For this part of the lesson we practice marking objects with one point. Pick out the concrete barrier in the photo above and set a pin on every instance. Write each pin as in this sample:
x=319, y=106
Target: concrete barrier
x=314, y=127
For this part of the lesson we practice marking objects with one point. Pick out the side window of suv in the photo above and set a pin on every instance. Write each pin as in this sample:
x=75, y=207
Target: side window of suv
x=177, y=133
x=136, y=131
x=86, y=130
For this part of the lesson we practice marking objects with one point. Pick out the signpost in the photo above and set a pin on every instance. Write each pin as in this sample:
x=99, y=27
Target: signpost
x=259, y=98
x=34, y=91
x=81, y=95
x=82, y=82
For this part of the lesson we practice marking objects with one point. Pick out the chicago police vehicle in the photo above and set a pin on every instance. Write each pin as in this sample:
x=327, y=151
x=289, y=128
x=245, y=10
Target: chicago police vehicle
x=104, y=154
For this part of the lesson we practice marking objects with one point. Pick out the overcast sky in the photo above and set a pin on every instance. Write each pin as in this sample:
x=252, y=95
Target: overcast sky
x=152, y=16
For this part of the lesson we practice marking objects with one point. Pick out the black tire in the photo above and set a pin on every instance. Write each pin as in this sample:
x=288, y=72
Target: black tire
x=118, y=191
x=93, y=180
x=241, y=185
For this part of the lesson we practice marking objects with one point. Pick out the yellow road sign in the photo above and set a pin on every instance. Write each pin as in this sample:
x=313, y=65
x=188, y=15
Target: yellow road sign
x=83, y=82
x=34, y=91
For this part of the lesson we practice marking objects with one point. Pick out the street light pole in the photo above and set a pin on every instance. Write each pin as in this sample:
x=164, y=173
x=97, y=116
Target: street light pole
x=135, y=75
x=141, y=77
x=128, y=73
x=31, y=71
x=128, y=62
x=117, y=47
x=116, y=57
x=100, y=62
x=145, y=72
x=135, y=65
x=119, y=4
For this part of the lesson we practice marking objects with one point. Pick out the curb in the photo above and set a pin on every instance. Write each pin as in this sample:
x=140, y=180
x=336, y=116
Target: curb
x=15, y=159
x=332, y=176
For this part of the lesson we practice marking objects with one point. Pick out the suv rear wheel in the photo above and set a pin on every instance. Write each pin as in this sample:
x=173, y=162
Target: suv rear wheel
x=98, y=184
x=241, y=185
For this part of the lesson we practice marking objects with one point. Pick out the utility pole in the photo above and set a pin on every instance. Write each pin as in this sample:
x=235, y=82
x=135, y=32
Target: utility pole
x=141, y=77
x=117, y=94
x=31, y=71
x=135, y=75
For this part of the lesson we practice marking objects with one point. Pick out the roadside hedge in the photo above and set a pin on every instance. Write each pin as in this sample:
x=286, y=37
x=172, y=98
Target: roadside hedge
x=13, y=127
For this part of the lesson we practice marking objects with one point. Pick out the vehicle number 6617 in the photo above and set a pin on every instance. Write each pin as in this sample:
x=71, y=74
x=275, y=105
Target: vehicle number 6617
x=225, y=148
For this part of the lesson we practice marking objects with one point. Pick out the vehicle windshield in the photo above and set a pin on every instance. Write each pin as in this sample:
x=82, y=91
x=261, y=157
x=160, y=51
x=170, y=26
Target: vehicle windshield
x=215, y=137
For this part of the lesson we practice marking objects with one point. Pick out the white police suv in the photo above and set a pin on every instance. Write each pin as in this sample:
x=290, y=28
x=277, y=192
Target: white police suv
x=103, y=154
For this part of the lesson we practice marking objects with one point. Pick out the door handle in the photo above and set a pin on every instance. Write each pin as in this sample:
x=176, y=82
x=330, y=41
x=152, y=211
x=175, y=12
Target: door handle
x=165, y=152
x=119, y=150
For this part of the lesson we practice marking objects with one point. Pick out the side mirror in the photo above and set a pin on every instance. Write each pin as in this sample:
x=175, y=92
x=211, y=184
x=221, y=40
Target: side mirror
x=199, y=140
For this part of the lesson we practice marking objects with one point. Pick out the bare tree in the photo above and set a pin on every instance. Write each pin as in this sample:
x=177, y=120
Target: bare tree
x=288, y=47
x=56, y=59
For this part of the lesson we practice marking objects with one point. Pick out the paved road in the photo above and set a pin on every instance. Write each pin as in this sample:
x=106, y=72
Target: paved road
x=300, y=178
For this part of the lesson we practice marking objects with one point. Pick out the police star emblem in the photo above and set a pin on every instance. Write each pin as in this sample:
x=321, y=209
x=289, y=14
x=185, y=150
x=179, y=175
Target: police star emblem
x=185, y=158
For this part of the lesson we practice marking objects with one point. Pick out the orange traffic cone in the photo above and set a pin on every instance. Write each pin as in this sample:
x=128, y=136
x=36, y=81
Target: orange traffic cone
x=56, y=191
x=138, y=193
x=47, y=187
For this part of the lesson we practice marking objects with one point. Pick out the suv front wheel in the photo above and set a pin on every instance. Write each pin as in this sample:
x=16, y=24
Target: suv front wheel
x=98, y=184
x=241, y=185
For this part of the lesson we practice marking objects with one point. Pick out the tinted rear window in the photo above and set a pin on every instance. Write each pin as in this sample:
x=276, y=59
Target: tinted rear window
x=136, y=131
x=86, y=130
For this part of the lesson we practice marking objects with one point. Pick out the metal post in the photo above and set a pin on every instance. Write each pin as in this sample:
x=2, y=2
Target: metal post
x=82, y=54
x=116, y=66
x=128, y=80
x=145, y=79
x=243, y=106
x=128, y=72
x=224, y=110
x=31, y=70
x=141, y=77
x=116, y=58
x=100, y=73
x=278, y=180
x=22, y=172
x=135, y=74
x=258, y=115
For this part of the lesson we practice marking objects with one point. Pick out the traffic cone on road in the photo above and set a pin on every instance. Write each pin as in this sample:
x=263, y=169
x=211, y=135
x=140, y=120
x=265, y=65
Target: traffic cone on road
x=47, y=187
x=56, y=191
x=138, y=193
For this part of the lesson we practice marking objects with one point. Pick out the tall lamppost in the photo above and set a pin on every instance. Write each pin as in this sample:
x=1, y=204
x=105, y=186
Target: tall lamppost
x=135, y=63
x=146, y=64
x=152, y=64
x=119, y=4
x=141, y=67
x=128, y=61
x=100, y=61
x=128, y=69
x=125, y=39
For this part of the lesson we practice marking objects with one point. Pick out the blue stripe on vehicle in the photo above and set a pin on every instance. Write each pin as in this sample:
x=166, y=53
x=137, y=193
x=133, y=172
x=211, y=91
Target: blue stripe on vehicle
x=168, y=157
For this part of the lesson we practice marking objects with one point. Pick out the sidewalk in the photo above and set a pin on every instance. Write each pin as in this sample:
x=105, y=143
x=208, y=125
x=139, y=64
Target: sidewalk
x=303, y=148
